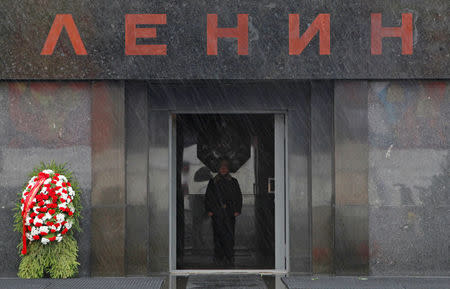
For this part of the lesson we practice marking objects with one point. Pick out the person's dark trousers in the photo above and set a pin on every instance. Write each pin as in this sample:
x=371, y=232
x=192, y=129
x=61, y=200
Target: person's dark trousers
x=223, y=227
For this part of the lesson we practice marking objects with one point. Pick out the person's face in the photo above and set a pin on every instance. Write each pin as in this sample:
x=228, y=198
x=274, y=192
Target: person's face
x=223, y=170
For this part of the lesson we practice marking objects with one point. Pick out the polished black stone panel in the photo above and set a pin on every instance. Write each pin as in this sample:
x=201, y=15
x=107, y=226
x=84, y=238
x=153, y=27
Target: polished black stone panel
x=101, y=25
x=351, y=233
x=322, y=185
x=42, y=121
x=409, y=163
x=137, y=142
x=108, y=179
x=158, y=190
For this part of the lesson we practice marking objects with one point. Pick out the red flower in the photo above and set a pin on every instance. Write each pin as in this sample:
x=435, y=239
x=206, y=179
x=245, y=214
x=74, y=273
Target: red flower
x=52, y=231
x=38, y=224
x=36, y=237
x=53, y=182
x=68, y=184
x=52, y=238
x=41, y=215
x=57, y=225
x=49, y=223
x=29, y=228
x=63, y=232
x=43, y=234
x=32, y=215
x=64, y=185
x=70, y=213
x=63, y=223
x=44, y=209
x=22, y=201
x=51, y=212
x=62, y=200
x=43, y=175
x=41, y=203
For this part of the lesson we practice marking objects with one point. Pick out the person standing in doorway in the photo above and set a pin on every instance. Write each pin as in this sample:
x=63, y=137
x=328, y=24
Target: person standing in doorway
x=223, y=202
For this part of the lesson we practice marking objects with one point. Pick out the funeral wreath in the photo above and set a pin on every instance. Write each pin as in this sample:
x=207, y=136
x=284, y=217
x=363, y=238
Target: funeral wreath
x=47, y=215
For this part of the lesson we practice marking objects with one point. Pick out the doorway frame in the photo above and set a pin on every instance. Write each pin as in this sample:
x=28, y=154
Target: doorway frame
x=281, y=249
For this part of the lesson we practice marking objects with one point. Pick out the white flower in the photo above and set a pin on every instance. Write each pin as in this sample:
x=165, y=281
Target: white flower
x=43, y=229
x=68, y=225
x=66, y=193
x=38, y=221
x=47, y=216
x=60, y=217
x=34, y=231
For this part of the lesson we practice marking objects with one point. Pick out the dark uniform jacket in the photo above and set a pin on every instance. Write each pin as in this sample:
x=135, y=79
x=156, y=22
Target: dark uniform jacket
x=223, y=192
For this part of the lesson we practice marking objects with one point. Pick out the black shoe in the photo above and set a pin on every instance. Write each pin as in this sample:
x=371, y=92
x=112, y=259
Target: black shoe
x=229, y=263
x=218, y=261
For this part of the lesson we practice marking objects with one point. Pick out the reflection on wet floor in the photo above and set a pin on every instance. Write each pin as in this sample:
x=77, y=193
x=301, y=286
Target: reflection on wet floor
x=231, y=281
x=295, y=281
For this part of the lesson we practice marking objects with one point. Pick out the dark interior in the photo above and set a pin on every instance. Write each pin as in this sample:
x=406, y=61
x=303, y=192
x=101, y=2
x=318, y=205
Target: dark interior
x=248, y=141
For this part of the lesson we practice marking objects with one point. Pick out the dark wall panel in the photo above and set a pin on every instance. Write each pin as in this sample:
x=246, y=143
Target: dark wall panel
x=43, y=121
x=322, y=176
x=136, y=145
x=101, y=25
x=108, y=180
x=351, y=178
x=409, y=181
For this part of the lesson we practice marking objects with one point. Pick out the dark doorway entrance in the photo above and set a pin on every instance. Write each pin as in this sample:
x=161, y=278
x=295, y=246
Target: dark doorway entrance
x=247, y=140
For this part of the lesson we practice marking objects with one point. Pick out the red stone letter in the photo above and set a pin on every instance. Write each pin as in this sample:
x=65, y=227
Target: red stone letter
x=240, y=32
x=63, y=20
x=405, y=32
x=132, y=33
x=320, y=25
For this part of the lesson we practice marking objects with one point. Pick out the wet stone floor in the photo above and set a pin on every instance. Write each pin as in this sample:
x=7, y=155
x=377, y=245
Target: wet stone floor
x=231, y=281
